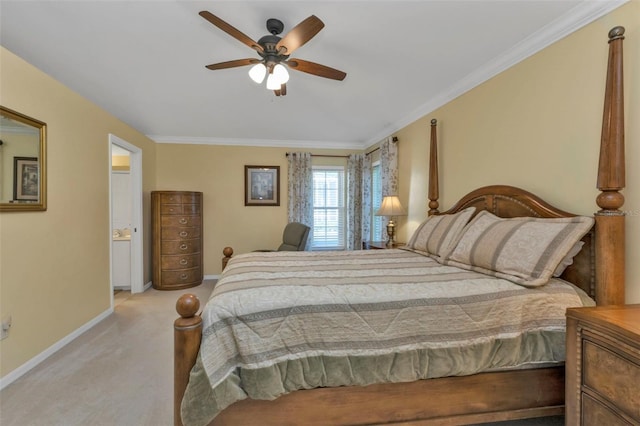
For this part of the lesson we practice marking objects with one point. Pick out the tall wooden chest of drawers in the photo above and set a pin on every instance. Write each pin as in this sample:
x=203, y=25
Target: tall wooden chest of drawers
x=603, y=366
x=176, y=221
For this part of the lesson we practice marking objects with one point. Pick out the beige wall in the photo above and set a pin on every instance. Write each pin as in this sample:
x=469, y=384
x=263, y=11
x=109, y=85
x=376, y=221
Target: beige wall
x=54, y=265
x=218, y=171
x=537, y=126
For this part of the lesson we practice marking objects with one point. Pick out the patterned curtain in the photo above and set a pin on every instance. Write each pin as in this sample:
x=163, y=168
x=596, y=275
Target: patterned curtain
x=366, y=198
x=355, y=171
x=389, y=167
x=300, y=186
x=388, y=174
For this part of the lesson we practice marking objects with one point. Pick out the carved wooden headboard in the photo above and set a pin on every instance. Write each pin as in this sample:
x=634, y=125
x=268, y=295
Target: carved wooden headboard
x=509, y=201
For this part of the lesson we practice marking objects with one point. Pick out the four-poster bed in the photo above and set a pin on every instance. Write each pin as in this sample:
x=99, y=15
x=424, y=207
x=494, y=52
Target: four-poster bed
x=598, y=270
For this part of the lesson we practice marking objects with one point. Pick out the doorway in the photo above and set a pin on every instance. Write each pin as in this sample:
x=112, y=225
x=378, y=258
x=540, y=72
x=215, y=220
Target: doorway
x=125, y=233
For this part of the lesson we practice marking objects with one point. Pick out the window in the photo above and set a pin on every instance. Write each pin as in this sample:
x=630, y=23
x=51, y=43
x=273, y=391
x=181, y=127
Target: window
x=328, y=208
x=376, y=194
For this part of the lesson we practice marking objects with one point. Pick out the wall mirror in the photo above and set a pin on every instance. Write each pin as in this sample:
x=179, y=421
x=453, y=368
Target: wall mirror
x=23, y=162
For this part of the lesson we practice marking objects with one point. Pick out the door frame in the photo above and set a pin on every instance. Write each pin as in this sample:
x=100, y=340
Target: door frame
x=135, y=170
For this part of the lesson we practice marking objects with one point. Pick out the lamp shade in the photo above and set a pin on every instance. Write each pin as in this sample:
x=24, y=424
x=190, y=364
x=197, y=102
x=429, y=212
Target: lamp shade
x=277, y=78
x=257, y=73
x=281, y=74
x=272, y=82
x=391, y=207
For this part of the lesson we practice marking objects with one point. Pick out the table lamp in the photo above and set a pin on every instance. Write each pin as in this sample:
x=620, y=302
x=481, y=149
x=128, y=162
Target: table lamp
x=391, y=207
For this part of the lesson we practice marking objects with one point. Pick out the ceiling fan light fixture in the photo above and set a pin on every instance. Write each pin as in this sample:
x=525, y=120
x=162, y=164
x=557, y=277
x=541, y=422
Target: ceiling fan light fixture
x=277, y=77
x=275, y=51
x=280, y=73
x=257, y=73
x=272, y=82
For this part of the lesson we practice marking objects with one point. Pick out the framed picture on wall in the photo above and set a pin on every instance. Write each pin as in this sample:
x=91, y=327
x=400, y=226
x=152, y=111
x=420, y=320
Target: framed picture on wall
x=25, y=179
x=261, y=185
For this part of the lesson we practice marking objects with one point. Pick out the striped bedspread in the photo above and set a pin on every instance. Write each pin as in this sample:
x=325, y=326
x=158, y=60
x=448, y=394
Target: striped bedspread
x=282, y=321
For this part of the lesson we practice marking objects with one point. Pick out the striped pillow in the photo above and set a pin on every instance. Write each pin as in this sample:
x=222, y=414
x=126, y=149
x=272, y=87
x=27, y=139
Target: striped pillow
x=438, y=234
x=524, y=250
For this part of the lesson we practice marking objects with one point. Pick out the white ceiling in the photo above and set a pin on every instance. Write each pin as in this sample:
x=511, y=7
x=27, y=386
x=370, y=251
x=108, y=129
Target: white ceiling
x=144, y=61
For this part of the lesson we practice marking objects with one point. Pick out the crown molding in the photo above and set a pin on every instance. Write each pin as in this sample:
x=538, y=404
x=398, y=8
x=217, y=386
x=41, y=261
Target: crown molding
x=269, y=143
x=581, y=15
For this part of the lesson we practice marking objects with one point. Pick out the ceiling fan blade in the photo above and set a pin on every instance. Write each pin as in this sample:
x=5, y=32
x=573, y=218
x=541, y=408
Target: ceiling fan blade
x=300, y=34
x=232, y=31
x=282, y=91
x=315, y=69
x=233, y=64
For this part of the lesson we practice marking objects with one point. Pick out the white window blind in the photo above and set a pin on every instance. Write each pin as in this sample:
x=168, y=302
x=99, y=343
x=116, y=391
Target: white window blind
x=328, y=208
x=376, y=191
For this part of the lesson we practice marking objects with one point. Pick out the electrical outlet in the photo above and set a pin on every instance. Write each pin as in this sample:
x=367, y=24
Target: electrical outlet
x=6, y=326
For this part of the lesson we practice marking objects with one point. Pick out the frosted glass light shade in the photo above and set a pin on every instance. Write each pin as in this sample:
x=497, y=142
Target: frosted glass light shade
x=277, y=77
x=281, y=73
x=257, y=73
x=273, y=83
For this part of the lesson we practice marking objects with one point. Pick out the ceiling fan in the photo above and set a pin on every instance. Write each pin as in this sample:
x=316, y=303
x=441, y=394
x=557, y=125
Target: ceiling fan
x=274, y=52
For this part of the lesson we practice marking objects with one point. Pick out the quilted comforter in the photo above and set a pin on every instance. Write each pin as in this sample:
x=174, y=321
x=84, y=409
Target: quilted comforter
x=283, y=321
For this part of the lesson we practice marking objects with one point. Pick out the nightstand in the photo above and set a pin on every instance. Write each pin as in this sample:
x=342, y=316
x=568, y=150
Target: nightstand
x=379, y=245
x=603, y=366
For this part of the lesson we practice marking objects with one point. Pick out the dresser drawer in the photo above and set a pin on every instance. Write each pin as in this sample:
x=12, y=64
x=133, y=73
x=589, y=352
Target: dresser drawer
x=184, y=276
x=171, y=209
x=612, y=376
x=176, y=233
x=177, y=198
x=186, y=261
x=180, y=247
x=190, y=209
x=187, y=209
x=596, y=414
x=180, y=221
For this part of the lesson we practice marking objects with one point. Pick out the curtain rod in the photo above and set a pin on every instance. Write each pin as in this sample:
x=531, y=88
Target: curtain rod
x=324, y=155
x=394, y=139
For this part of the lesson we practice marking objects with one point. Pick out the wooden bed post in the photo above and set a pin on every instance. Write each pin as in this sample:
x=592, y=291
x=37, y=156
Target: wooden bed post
x=227, y=252
x=186, y=343
x=610, y=221
x=433, y=170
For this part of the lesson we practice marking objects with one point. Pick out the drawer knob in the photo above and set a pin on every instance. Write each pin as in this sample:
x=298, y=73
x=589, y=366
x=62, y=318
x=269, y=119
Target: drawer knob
x=183, y=276
x=183, y=221
x=183, y=246
x=183, y=261
x=184, y=234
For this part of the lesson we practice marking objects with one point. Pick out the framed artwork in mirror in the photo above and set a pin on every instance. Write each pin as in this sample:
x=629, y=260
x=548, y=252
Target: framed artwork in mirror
x=25, y=179
x=261, y=185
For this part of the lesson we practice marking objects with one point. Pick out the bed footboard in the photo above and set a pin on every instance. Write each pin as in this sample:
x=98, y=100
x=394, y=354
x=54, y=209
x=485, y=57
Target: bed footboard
x=186, y=344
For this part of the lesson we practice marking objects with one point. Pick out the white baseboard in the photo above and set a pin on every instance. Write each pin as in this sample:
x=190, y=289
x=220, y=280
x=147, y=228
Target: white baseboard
x=212, y=277
x=33, y=362
x=147, y=286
